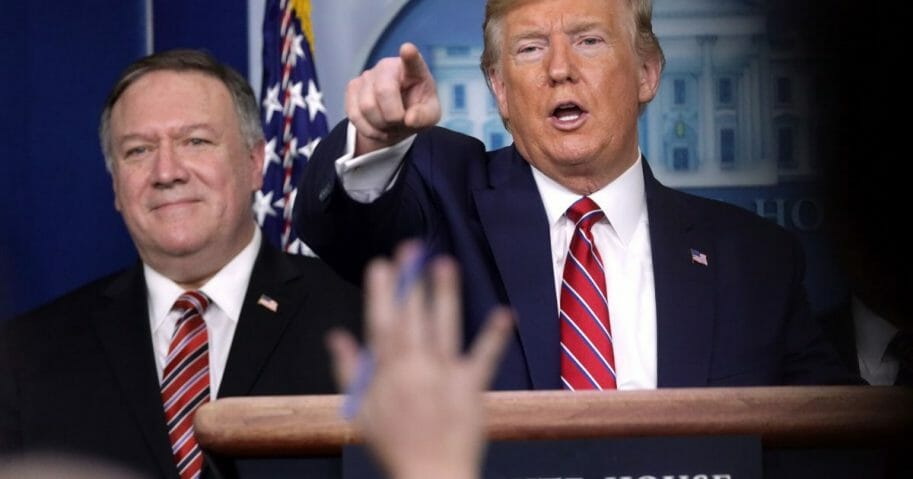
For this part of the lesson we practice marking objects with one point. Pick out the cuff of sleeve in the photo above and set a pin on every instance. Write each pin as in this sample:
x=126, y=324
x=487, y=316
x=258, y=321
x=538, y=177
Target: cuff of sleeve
x=366, y=177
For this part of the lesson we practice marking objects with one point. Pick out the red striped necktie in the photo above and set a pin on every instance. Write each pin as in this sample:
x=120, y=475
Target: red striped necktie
x=185, y=381
x=587, y=355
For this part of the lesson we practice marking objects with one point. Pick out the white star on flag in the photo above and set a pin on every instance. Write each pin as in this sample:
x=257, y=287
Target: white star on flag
x=271, y=102
x=262, y=206
x=295, y=98
x=270, y=156
x=297, y=49
x=314, y=100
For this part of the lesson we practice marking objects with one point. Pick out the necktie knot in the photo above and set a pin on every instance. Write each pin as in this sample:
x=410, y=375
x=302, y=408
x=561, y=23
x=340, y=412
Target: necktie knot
x=585, y=213
x=190, y=303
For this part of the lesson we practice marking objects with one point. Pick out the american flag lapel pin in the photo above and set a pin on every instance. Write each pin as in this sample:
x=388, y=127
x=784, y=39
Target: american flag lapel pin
x=268, y=303
x=698, y=257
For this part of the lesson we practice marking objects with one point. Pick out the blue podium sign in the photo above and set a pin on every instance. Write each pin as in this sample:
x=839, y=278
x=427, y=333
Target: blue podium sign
x=718, y=457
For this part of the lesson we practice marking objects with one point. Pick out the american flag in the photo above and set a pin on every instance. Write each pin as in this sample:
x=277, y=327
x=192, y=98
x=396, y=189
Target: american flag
x=698, y=257
x=293, y=114
x=268, y=303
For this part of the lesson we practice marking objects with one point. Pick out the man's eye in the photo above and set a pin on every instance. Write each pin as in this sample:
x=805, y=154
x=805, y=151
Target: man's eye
x=137, y=150
x=198, y=141
x=529, y=54
x=529, y=48
x=589, y=41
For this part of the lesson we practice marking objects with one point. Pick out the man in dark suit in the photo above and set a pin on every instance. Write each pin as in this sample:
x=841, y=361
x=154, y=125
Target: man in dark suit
x=112, y=369
x=698, y=293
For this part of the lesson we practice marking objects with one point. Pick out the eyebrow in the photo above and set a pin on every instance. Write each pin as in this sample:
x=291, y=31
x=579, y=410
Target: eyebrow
x=575, y=28
x=182, y=131
x=527, y=35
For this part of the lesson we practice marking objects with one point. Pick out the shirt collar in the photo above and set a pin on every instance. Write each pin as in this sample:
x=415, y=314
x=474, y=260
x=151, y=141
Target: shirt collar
x=226, y=289
x=623, y=200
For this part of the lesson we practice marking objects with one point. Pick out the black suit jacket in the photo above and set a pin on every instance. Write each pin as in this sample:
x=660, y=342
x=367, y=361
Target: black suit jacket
x=838, y=327
x=740, y=320
x=79, y=375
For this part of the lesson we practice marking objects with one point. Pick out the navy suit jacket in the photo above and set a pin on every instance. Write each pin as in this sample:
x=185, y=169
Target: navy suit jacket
x=741, y=320
x=79, y=375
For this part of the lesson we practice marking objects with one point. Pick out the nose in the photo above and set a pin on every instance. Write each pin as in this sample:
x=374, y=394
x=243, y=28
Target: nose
x=168, y=169
x=561, y=63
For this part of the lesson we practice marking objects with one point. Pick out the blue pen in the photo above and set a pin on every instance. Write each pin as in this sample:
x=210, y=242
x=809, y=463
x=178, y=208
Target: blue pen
x=404, y=282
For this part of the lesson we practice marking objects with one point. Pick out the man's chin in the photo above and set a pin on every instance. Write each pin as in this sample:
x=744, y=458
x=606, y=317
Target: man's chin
x=177, y=248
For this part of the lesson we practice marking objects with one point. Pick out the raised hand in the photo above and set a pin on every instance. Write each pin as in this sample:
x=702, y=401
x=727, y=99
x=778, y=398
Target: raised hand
x=391, y=101
x=422, y=414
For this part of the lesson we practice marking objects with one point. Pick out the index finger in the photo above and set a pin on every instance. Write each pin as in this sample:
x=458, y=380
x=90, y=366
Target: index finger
x=414, y=66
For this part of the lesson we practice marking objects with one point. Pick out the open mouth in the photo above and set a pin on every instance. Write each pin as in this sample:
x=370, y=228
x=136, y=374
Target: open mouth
x=568, y=116
x=567, y=112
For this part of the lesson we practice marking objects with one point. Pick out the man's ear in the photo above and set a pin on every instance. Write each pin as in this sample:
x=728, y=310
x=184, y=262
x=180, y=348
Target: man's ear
x=650, y=72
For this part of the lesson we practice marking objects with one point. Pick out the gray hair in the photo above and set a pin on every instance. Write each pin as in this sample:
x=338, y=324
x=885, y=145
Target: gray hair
x=242, y=95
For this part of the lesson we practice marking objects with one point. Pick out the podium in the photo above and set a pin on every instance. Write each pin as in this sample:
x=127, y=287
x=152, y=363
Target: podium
x=782, y=417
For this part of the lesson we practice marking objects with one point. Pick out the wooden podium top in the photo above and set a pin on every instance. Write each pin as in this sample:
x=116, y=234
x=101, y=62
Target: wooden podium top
x=780, y=416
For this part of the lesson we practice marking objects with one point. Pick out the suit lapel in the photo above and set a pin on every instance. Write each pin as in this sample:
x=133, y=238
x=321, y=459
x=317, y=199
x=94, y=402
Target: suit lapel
x=685, y=289
x=259, y=328
x=122, y=325
x=518, y=234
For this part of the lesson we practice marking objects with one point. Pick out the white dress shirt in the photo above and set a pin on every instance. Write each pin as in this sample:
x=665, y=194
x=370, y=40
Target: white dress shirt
x=623, y=241
x=226, y=291
x=873, y=334
x=622, y=237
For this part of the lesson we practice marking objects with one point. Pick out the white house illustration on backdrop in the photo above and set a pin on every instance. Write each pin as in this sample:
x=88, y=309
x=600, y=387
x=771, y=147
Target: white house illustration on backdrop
x=733, y=109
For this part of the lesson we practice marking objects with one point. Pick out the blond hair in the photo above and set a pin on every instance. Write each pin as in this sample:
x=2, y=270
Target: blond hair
x=645, y=42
